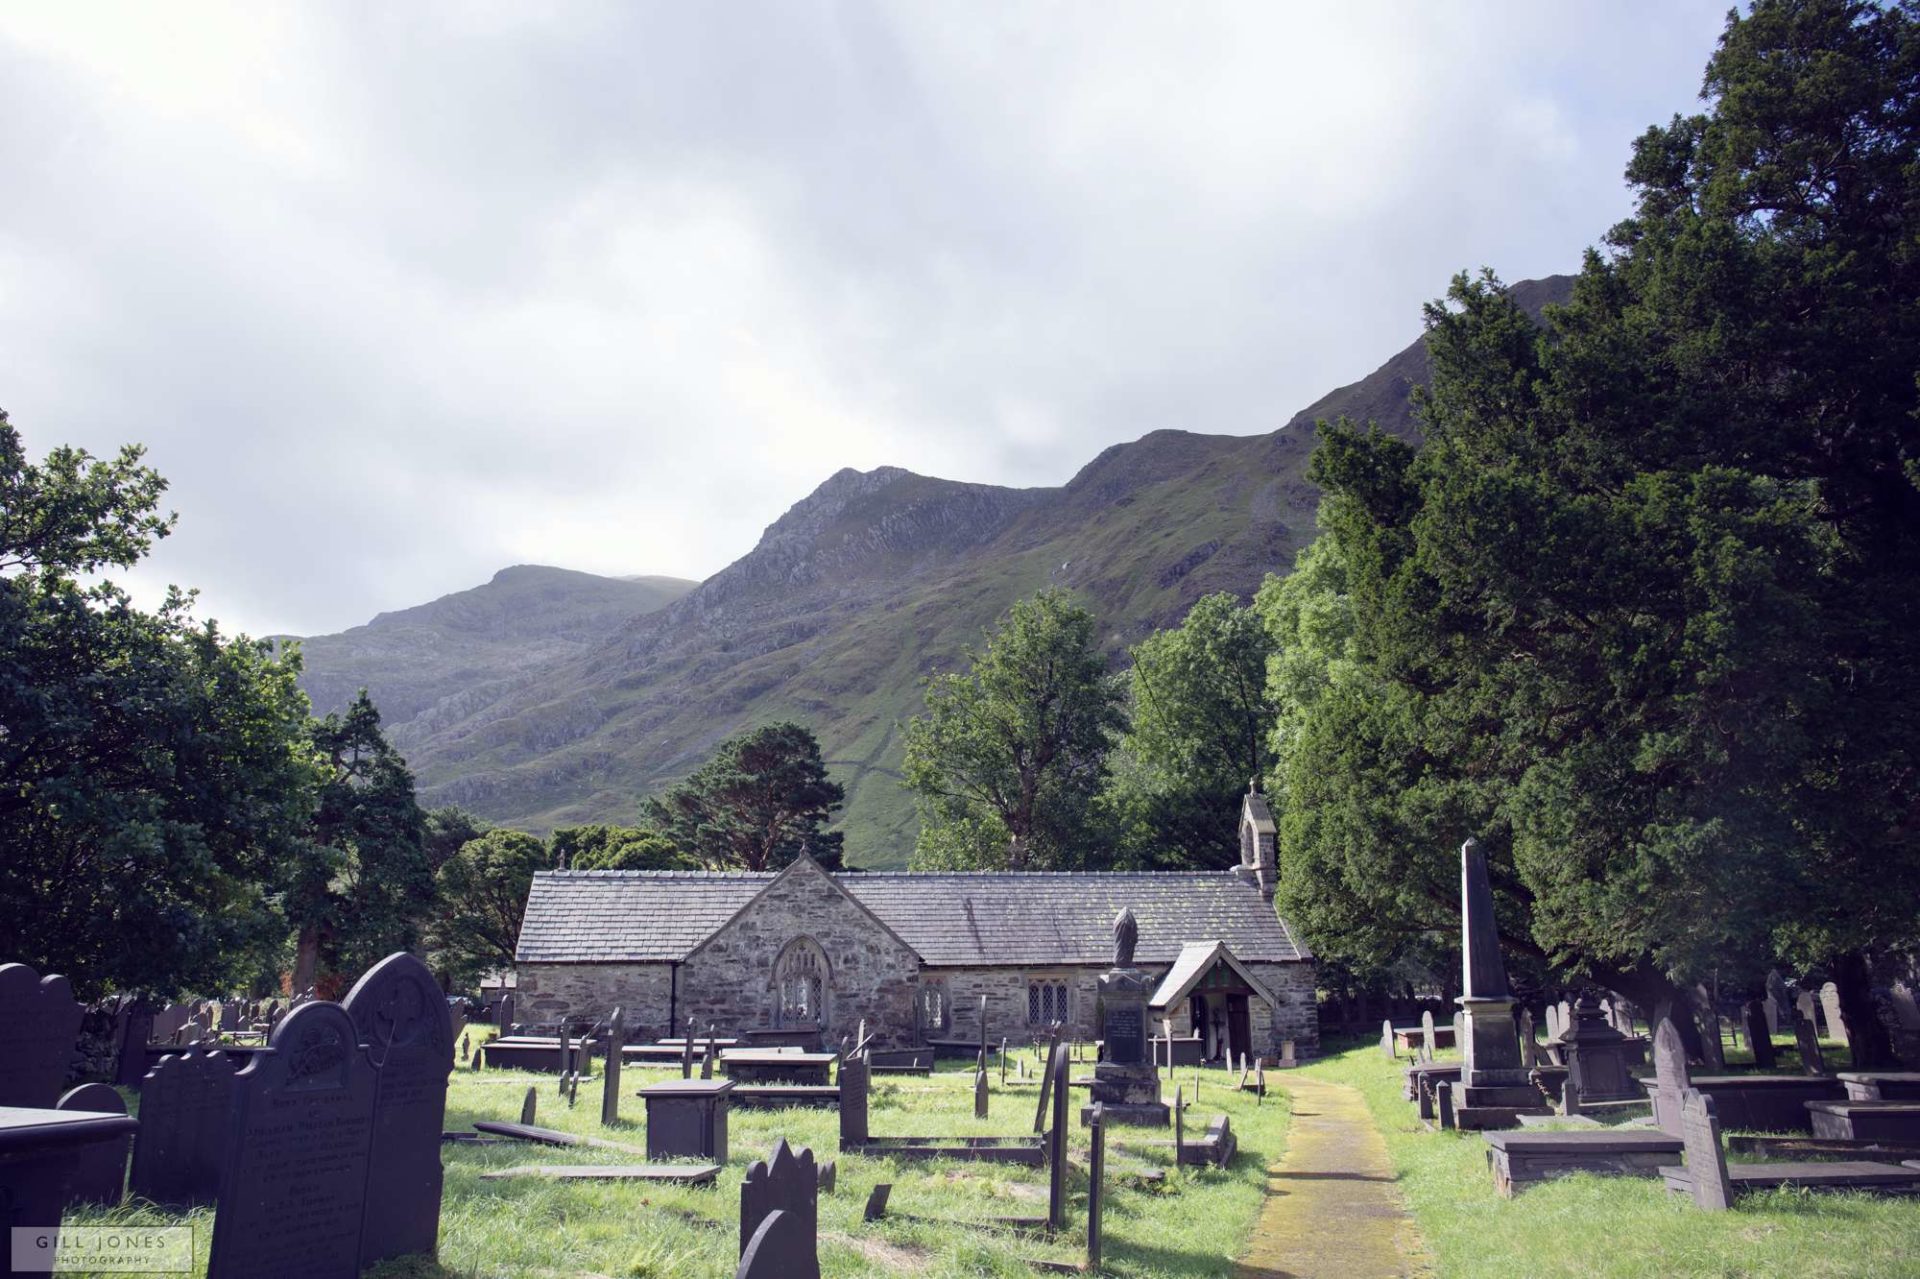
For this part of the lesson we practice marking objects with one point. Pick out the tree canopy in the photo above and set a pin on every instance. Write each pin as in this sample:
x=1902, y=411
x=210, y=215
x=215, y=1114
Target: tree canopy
x=1010, y=755
x=762, y=800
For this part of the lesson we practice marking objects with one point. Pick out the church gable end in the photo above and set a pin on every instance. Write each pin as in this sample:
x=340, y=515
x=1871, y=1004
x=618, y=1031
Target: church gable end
x=803, y=942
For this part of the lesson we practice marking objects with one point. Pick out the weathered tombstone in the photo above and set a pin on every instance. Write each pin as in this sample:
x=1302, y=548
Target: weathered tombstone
x=1706, y=1160
x=39, y=1022
x=566, y=1054
x=1553, y=1022
x=979, y=1094
x=1003, y=1063
x=1057, y=1069
x=1179, y=1125
x=529, y=1105
x=1596, y=1056
x=186, y=1105
x=1126, y=1081
x=1459, y=1029
x=136, y=1029
x=1830, y=1005
x=1426, y=1035
x=1779, y=1001
x=1669, y=1076
x=295, y=1190
x=1386, y=1041
x=877, y=1202
x=1753, y=1015
x=711, y=1055
x=1443, y=1097
x=1807, y=1006
x=100, y=1170
x=853, y=1103
x=686, y=1053
x=1812, y=1060
x=401, y=1020
x=829, y=1176
x=1529, y=1048
x=610, y=1088
x=786, y=1183
x=776, y=1244
x=506, y=1014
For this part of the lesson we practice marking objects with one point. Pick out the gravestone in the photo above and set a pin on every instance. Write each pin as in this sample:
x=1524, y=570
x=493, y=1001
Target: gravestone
x=1830, y=1005
x=1596, y=1056
x=39, y=1022
x=1126, y=1082
x=1057, y=1069
x=1670, y=1078
x=1779, y=1000
x=1096, y=1191
x=1494, y=1087
x=505, y=1014
x=1529, y=1047
x=853, y=1103
x=186, y=1105
x=1459, y=1029
x=1706, y=1161
x=402, y=1021
x=1812, y=1059
x=712, y=1053
x=610, y=1089
x=1386, y=1041
x=1753, y=1015
x=686, y=1053
x=566, y=1054
x=877, y=1202
x=1443, y=1096
x=1426, y=1035
x=529, y=1105
x=1807, y=1006
x=136, y=1031
x=786, y=1183
x=295, y=1190
x=1712, y=1047
x=979, y=1094
x=778, y=1249
x=100, y=1169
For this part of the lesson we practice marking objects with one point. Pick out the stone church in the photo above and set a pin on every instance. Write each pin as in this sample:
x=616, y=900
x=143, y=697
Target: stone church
x=807, y=952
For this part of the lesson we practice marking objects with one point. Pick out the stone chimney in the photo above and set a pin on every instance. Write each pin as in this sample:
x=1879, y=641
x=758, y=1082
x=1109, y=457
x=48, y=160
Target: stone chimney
x=1258, y=857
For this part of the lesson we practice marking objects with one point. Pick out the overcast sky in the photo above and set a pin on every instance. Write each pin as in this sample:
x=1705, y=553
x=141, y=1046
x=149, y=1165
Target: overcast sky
x=397, y=295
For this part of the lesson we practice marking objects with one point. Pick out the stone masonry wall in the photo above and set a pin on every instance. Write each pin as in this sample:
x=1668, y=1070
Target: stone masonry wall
x=549, y=992
x=1298, y=1016
x=728, y=980
x=1006, y=992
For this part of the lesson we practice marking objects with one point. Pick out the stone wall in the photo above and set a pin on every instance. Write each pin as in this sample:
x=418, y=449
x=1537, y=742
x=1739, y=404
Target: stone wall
x=728, y=980
x=1298, y=1016
x=547, y=993
x=1006, y=992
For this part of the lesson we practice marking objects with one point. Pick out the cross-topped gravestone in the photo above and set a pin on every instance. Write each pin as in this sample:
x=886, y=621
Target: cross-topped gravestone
x=39, y=1022
x=401, y=1020
x=616, y=1048
x=295, y=1188
x=186, y=1104
x=99, y=1173
x=786, y=1183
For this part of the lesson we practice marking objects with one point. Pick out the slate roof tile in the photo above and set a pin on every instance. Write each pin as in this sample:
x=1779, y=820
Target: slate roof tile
x=958, y=918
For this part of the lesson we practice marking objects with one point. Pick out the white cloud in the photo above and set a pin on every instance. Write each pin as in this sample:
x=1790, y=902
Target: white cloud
x=400, y=295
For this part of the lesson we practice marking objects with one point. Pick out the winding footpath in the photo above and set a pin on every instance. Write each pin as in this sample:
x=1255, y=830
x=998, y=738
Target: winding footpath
x=1332, y=1211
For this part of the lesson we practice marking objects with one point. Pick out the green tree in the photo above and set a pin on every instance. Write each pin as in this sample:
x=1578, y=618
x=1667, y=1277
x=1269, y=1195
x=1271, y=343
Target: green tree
x=616, y=848
x=762, y=800
x=364, y=888
x=154, y=777
x=1201, y=717
x=1642, y=612
x=447, y=831
x=483, y=890
x=1009, y=757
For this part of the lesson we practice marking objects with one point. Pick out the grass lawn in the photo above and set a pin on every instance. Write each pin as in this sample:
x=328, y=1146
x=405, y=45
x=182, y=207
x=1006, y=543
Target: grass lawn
x=937, y=1225
x=1600, y=1226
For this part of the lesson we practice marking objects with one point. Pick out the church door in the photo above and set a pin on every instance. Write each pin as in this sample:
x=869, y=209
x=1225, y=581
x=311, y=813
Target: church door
x=1239, y=1030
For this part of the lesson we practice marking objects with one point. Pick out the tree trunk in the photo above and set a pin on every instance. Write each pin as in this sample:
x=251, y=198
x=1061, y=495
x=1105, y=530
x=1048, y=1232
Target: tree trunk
x=1867, y=1039
x=306, y=960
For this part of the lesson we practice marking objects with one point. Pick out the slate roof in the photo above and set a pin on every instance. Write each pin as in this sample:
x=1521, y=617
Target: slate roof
x=1196, y=960
x=970, y=918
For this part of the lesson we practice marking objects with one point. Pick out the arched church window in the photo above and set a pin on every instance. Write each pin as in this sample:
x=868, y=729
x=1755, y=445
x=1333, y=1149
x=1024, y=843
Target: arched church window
x=800, y=985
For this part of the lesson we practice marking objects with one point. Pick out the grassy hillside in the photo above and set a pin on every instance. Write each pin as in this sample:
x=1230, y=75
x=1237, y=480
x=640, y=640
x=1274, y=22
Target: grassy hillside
x=851, y=598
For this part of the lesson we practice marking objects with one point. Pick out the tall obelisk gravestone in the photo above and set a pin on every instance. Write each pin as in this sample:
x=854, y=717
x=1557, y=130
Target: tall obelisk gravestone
x=1493, y=1091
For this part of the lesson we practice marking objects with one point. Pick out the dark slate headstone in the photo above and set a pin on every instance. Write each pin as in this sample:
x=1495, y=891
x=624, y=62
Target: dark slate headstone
x=1443, y=1096
x=186, y=1112
x=1096, y=1190
x=39, y=1022
x=402, y=1020
x=877, y=1202
x=1753, y=1016
x=100, y=1169
x=790, y=1184
x=505, y=1014
x=979, y=1094
x=529, y=1106
x=295, y=1190
x=686, y=1053
x=853, y=1103
x=1124, y=1028
x=136, y=1031
x=1812, y=1059
x=1706, y=1160
x=778, y=1249
x=711, y=1055
x=1057, y=1140
x=610, y=1089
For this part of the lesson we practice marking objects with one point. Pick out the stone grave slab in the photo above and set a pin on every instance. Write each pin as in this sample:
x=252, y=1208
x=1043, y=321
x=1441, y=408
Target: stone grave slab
x=295, y=1189
x=1526, y=1156
x=38, y=1150
x=678, y=1174
x=39, y=1022
x=401, y=1019
x=1881, y=1085
x=1891, y=1121
x=687, y=1118
x=100, y=1169
x=186, y=1111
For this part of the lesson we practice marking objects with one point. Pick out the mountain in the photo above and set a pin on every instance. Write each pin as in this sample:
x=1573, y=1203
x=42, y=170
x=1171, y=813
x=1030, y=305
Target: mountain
x=527, y=617
x=852, y=597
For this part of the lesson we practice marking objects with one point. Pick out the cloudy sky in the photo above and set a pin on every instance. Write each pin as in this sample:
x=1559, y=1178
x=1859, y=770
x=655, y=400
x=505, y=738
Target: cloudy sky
x=397, y=295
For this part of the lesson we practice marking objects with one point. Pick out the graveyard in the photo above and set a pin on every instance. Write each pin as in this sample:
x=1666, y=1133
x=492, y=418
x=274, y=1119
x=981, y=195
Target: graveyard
x=940, y=1215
